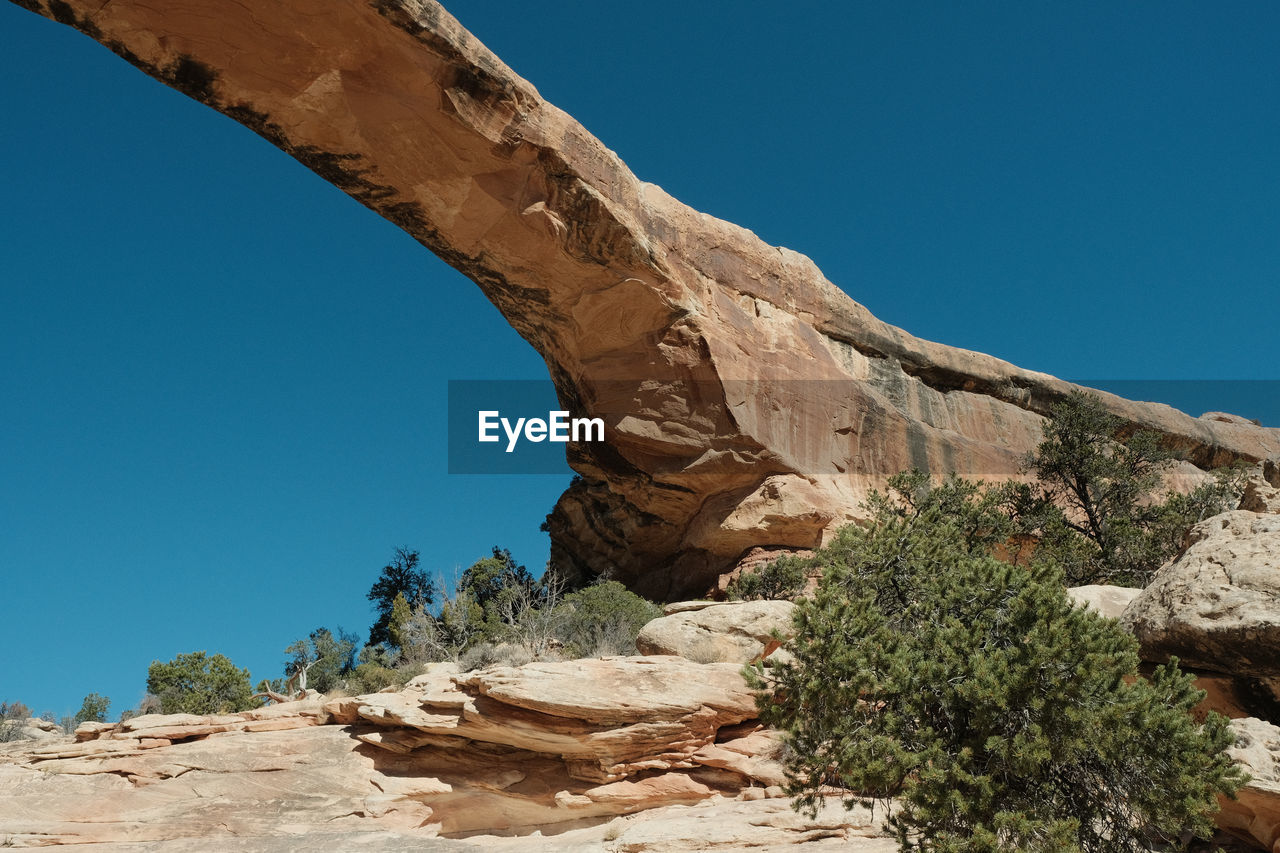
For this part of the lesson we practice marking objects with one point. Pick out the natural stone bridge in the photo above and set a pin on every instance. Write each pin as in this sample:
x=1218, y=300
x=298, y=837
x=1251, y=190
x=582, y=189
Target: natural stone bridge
x=748, y=401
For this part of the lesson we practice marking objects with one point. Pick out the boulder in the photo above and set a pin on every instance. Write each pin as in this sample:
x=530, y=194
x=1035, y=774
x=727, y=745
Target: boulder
x=1217, y=605
x=747, y=401
x=732, y=632
x=1110, y=601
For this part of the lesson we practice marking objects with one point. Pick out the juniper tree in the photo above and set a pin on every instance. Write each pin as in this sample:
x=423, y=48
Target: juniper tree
x=996, y=716
x=400, y=577
x=1096, y=508
x=199, y=683
x=93, y=709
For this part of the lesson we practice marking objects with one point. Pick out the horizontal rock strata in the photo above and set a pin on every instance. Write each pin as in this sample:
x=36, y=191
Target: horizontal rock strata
x=542, y=747
x=748, y=401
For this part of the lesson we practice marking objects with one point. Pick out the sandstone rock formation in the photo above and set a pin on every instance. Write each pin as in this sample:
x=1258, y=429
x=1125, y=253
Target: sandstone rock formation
x=1215, y=605
x=748, y=401
x=1262, y=488
x=543, y=747
x=1110, y=601
x=730, y=632
x=1255, y=813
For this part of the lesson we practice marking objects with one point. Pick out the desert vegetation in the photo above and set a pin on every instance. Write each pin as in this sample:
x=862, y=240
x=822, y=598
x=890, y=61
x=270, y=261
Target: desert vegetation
x=1095, y=506
x=968, y=691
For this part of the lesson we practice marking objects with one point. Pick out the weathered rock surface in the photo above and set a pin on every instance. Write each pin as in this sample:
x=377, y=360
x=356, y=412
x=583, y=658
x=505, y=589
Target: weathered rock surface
x=1255, y=813
x=1216, y=605
x=1110, y=601
x=1262, y=488
x=732, y=632
x=748, y=401
x=544, y=747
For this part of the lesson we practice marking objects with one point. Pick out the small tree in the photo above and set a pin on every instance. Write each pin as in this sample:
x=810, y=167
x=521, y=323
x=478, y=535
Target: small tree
x=779, y=579
x=198, y=683
x=1096, y=509
x=13, y=718
x=500, y=586
x=423, y=637
x=93, y=709
x=996, y=715
x=319, y=661
x=604, y=619
x=401, y=577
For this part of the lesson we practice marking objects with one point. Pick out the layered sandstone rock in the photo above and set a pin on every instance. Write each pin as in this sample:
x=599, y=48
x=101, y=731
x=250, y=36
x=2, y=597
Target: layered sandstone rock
x=748, y=401
x=546, y=746
x=730, y=632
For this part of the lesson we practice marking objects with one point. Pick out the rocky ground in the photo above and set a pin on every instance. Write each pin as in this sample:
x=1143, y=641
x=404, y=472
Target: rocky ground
x=633, y=753
x=652, y=752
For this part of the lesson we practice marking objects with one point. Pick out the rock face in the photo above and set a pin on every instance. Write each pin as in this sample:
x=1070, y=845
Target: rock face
x=1255, y=813
x=1262, y=488
x=1215, y=606
x=733, y=632
x=546, y=746
x=748, y=401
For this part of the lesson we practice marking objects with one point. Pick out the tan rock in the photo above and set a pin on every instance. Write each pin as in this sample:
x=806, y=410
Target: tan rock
x=731, y=632
x=1110, y=601
x=617, y=690
x=1255, y=813
x=510, y=750
x=747, y=400
x=1262, y=488
x=1216, y=605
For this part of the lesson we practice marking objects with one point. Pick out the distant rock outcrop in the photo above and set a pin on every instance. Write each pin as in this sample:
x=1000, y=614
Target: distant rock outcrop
x=748, y=401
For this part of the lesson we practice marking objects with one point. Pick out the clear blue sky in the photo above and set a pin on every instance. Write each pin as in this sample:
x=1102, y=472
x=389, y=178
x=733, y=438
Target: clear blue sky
x=222, y=381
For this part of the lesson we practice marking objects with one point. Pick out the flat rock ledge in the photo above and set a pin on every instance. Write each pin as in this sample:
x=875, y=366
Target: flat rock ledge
x=546, y=747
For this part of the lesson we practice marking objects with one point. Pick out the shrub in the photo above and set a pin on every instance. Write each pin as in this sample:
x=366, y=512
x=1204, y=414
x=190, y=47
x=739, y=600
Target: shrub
x=603, y=619
x=93, y=709
x=13, y=716
x=779, y=579
x=996, y=715
x=197, y=683
x=487, y=654
x=375, y=671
